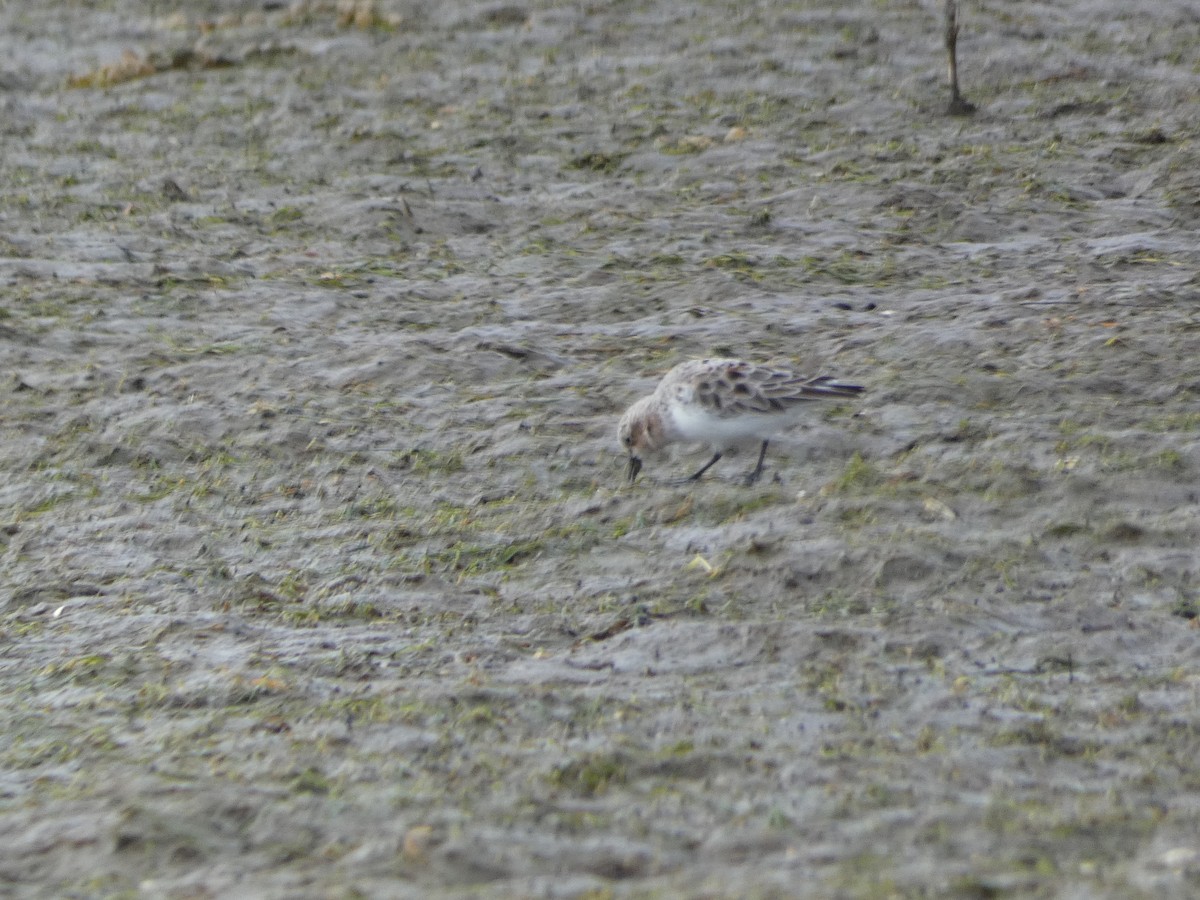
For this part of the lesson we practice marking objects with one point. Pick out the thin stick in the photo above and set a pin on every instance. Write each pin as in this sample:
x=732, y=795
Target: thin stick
x=959, y=106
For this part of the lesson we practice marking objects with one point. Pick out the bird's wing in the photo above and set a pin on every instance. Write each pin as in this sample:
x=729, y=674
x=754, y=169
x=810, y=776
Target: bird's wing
x=730, y=388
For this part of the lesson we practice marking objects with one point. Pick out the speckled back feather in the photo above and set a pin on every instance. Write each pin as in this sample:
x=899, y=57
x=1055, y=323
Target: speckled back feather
x=730, y=387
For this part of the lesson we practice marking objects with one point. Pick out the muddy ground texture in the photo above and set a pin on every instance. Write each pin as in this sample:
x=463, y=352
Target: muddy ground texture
x=319, y=577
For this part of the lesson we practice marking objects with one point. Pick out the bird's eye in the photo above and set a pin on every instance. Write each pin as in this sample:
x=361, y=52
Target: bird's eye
x=627, y=440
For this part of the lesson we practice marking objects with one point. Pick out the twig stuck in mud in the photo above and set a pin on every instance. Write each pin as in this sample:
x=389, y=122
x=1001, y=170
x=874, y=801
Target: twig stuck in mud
x=958, y=105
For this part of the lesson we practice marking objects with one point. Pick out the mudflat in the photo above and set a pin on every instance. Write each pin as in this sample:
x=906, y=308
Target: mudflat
x=318, y=573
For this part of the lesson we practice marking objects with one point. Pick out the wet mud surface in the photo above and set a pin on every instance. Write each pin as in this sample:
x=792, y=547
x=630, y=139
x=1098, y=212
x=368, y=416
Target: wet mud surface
x=319, y=577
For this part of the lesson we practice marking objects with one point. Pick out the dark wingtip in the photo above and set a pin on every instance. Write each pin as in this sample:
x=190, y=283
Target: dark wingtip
x=828, y=384
x=840, y=389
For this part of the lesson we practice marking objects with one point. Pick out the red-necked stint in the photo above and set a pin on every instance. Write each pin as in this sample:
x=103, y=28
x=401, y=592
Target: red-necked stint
x=724, y=403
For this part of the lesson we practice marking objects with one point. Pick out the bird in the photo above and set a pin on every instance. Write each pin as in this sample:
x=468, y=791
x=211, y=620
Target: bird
x=724, y=403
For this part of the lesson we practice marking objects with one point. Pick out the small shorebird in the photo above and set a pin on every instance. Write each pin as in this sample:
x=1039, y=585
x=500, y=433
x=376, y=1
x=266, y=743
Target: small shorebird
x=724, y=403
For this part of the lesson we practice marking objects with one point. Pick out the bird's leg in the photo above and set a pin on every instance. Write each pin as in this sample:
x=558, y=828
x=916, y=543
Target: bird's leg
x=757, y=473
x=704, y=468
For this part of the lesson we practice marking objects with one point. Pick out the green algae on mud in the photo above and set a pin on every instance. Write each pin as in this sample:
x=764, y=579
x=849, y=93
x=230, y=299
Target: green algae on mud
x=319, y=574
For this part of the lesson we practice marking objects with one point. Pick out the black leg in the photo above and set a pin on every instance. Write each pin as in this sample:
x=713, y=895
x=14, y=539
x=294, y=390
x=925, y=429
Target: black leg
x=757, y=473
x=704, y=468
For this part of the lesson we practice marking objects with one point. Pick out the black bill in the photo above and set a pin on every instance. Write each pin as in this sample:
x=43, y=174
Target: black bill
x=635, y=466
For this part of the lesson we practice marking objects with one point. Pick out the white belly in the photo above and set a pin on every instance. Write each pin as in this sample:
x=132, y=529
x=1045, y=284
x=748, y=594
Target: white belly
x=694, y=424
